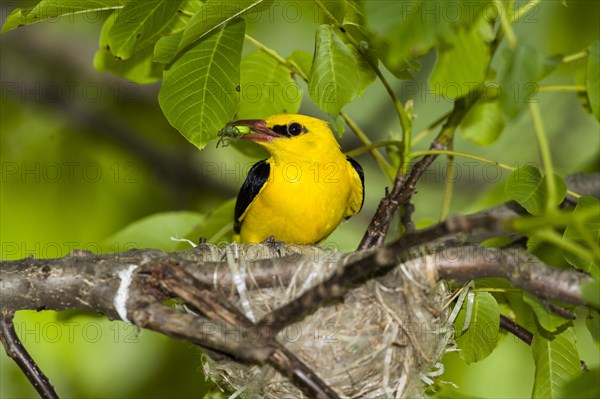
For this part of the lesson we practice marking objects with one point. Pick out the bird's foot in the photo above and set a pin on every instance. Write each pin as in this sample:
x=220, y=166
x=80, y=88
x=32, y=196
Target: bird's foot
x=273, y=244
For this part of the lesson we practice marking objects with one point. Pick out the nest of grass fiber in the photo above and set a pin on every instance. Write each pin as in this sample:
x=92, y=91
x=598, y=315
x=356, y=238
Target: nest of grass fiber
x=381, y=341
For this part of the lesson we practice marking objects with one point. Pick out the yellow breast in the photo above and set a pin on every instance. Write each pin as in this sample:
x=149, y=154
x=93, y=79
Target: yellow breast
x=302, y=202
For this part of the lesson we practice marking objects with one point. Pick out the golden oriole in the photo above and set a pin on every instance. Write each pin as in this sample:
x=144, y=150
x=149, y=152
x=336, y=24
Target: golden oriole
x=304, y=190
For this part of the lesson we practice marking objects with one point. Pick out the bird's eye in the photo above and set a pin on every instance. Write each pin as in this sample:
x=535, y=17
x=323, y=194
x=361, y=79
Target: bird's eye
x=294, y=129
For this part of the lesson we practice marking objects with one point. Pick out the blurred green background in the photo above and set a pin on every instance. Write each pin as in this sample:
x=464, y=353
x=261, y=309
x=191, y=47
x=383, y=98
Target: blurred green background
x=84, y=154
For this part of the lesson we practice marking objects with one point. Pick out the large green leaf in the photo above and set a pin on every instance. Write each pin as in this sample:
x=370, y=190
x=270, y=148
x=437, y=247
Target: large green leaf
x=527, y=186
x=353, y=23
x=483, y=123
x=404, y=31
x=586, y=233
x=199, y=91
x=593, y=78
x=52, y=9
x=155, y=231
x=407, y=30
x=556, y=362
x=216, y=13
x=139, y=24
x=333, y=80
x=267, y=88
x=461, y=65
x=523, y=68
x=585, y=386
x=139, y=68
x=481, y=336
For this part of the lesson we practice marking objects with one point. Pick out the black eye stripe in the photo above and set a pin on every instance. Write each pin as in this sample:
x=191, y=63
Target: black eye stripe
x=280, y=129
x=291, y=130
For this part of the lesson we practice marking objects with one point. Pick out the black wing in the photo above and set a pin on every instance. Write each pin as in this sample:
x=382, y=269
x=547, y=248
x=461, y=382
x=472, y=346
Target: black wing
x=361, y=174
x=256, y=178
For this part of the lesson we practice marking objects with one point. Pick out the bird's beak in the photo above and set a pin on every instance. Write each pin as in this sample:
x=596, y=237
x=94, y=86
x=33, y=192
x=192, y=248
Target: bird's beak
x=260, y=131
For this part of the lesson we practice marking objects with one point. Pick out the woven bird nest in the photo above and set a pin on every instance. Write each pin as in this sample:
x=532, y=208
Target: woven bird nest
x=382, y=341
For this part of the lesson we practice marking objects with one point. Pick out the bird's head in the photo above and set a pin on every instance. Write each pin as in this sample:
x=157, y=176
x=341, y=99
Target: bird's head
x=285, y=133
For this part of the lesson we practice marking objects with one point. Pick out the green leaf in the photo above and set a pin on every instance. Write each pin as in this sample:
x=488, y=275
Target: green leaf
x=333, y=80
x=139, y=68
x=198, y=94
x=584, y=386
x=591, y=293
x=338, y=124
x=214, y=14
x=155, y=231
x=585, y=232
x=404, y=31
x=138, y=24
x=549, y=321
x=461, y=65
x=366, y=74
x=354, y=25
x=302, y=59
x=481, y=336
x=483, y=123
x=166, y=47
x=556, y=362
x=592, y=322
x=593, y=78
x=526, y=186
x=267, y=88
x=52, y=9
x=523, y=68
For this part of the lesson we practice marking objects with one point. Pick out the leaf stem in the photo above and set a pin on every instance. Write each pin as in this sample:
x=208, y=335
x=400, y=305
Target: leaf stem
x=511, y=38
x=274, y=54
x=463, y=155
x=383, y=164
x=448, y=184
x=383, y=143
x=545, y=154
x=534, y=110
x=561, y=88
x=553, y=237
x=576, y=56
x=522, y=10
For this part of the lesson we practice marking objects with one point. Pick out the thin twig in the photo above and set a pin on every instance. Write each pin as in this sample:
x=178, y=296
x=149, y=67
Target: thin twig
x=15, y=350
x=515, y=329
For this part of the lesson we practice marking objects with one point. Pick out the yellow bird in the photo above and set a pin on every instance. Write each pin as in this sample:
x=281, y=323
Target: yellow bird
x=304, y=190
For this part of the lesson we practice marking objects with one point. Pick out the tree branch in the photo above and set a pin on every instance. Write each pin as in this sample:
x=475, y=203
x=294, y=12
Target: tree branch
x=404, y=185
x=203, y=279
